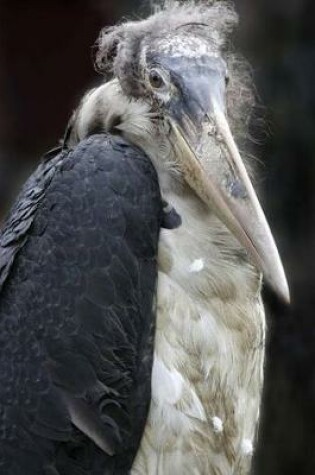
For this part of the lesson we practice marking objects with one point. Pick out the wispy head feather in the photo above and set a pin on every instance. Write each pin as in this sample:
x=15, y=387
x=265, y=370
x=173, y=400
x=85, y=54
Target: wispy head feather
x=120, y=48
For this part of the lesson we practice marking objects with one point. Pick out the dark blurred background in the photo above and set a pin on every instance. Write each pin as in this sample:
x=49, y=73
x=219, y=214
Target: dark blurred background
x=45, y=66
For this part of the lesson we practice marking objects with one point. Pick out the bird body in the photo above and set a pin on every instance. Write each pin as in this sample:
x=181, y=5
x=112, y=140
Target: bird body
x=168, y=99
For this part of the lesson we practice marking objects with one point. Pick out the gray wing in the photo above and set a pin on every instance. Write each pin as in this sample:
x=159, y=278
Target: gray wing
x=78, y=277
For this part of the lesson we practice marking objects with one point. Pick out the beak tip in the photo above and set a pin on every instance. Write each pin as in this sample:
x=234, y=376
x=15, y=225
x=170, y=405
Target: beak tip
x=280, y=287
x=284, y=294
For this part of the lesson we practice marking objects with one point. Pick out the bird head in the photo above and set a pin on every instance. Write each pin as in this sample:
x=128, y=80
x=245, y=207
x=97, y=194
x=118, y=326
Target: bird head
x=177, y=68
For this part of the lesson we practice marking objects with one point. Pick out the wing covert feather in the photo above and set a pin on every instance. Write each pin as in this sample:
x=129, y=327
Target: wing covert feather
x=77, y=282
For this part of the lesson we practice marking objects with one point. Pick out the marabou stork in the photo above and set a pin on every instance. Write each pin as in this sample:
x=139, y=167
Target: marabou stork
x=91, y=293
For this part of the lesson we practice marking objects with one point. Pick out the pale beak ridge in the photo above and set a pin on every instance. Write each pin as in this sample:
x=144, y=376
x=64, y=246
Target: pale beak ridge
x=244, y=216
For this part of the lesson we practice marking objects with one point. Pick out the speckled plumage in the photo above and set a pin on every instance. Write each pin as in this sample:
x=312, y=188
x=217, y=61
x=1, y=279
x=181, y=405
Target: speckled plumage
x=78, y=278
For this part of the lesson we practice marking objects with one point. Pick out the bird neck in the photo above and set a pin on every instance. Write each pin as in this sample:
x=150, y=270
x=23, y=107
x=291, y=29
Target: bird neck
x=202, y=255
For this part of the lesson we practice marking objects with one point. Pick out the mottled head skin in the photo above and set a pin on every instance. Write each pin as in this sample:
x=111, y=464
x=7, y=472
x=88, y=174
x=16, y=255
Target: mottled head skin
x=176, y=89
x=199, y=31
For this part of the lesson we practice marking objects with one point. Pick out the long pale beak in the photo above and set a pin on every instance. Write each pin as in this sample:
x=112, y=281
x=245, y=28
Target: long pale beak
x=240, y=212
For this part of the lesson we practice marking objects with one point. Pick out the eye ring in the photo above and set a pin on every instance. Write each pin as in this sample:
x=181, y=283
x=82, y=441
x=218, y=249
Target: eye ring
x=156, y=80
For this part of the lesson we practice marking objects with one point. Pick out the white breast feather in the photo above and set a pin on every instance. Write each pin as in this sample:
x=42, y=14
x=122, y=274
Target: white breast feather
x=207, y=372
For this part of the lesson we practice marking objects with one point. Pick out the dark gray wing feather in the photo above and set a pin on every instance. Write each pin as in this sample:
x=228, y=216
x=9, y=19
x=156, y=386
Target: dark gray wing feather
x=77, y=286
x=15, y=230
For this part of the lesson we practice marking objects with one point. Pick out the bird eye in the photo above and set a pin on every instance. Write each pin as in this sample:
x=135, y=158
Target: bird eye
x=156, y=80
